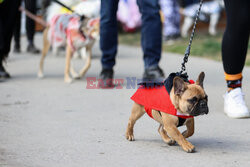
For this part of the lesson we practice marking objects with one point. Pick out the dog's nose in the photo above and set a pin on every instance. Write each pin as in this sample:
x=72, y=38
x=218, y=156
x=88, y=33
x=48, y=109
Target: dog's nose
x=203, y=111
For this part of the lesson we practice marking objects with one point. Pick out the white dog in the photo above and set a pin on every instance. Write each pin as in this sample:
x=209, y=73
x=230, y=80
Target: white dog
x=210, y=11
x=88, y=8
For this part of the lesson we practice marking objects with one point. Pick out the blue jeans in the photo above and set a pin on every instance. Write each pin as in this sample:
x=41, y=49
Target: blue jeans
x=151, y=40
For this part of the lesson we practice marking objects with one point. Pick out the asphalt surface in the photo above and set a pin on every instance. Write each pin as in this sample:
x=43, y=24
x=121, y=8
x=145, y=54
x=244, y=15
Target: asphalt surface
x=48, y=123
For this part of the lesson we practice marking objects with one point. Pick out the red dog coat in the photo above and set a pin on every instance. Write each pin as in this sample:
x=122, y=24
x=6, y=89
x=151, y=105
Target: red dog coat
x=156, y=98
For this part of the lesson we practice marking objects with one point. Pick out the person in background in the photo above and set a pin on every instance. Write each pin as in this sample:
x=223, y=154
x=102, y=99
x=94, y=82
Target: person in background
x=151, y=39
x=171, y=28
x=234, y=51
x=30, y=5
x=8, y=15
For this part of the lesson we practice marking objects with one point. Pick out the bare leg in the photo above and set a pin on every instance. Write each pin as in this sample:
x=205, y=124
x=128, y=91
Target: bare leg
x=67, y=77
x=73, y=73
x=188, y=21
x=170, y=122
x=190, y=128
x=214, y=18
x=55, y=51
x=88, y=63
x=46, y=46
x=164, y=136
x=136, y=113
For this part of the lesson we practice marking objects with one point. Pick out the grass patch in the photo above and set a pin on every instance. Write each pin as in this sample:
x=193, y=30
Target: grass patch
x=203, y=45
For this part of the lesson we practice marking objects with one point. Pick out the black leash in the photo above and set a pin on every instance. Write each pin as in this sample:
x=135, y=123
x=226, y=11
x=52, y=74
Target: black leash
x=63, y=5
x=187, y=52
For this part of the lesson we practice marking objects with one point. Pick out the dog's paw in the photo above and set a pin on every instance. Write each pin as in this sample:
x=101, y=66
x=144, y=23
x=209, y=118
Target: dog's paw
x=40, y=75
x=188, y=147
x=130, y=135
x=68, y=80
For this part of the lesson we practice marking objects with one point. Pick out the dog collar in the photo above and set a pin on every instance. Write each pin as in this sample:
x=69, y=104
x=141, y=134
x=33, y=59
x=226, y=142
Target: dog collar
x=181, y=114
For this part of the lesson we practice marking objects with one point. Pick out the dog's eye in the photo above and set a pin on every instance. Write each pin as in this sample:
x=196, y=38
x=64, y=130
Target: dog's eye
x=193, y=100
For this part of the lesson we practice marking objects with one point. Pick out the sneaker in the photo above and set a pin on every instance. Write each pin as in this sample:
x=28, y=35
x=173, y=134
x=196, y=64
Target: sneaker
x=234, y=104
x=32, y=49
x=153, y=74
x=107, y=77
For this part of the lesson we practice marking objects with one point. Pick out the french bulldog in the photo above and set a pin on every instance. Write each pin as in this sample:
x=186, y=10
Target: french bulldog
x=187, y=101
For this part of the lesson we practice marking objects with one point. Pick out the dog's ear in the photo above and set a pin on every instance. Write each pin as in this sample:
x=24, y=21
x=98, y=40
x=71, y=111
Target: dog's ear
x=200, y=79
x=179, y=86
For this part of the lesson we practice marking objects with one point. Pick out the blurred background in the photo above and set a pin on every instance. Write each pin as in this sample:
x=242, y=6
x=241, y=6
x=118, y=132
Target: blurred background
x=177, y=18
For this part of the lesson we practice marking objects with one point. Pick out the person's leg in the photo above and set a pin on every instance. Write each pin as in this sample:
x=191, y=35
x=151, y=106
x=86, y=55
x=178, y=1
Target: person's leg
x=108, y=33
x=234, y=49
x=108, y=39
x=2, y=56
x=151, y=39
x=8, y=14
x=235, y=39
x=17, y=31
x=1, y=32
x=30, y=5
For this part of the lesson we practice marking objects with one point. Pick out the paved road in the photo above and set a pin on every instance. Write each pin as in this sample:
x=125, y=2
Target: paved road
x=45, y=123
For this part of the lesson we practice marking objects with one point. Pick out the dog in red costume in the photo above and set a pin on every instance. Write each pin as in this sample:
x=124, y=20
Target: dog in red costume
x=172, y=103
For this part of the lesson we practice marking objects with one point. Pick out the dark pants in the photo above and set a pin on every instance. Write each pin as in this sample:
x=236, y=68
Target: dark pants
x=30, y=5
x=236, y=36
x=8, y=14
x=150, y=32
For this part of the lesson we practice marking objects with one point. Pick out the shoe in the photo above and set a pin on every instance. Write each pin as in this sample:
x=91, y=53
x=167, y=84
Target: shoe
x=107, y=78
x=234, y=104
x=32, y=49
x=17, y=49
x=3, y=73
x=153, y=74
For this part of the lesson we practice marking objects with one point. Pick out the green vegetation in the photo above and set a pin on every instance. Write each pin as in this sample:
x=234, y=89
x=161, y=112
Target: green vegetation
x=203, y=45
